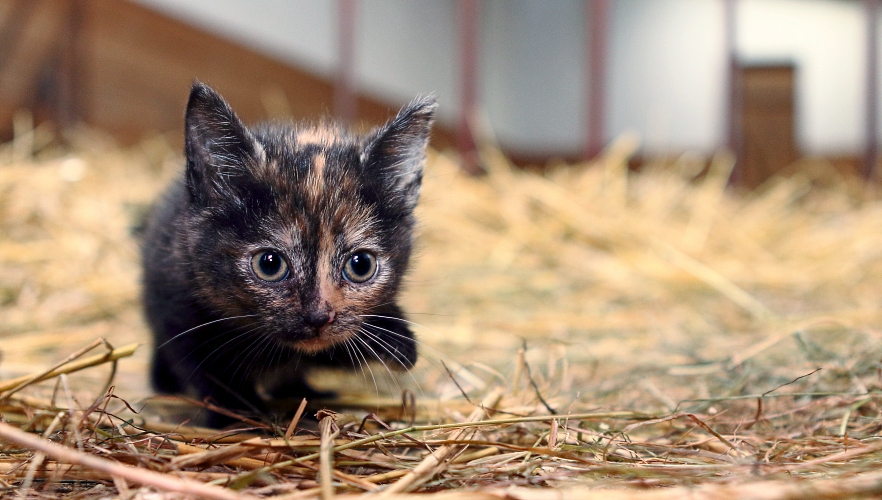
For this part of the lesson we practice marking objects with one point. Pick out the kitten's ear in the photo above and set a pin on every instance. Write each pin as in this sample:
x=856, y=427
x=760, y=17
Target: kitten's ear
x=218, y=146
x=398, y=149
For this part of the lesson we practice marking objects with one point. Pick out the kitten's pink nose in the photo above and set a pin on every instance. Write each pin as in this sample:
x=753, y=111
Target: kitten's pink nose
x=318, y=319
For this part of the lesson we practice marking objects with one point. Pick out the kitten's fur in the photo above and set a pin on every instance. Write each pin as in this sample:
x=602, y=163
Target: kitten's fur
x=314, y=194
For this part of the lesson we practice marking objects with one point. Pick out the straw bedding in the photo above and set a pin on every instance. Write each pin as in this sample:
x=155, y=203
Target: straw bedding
x=588, y=329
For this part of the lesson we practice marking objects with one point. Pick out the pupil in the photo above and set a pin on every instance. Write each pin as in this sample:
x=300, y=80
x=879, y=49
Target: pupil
x=361, y=264
x=270, y=263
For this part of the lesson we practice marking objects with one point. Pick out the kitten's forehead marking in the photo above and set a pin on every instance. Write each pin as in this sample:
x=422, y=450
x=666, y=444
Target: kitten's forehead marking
x=319, y=161
x=319, y=136
x=315, y=182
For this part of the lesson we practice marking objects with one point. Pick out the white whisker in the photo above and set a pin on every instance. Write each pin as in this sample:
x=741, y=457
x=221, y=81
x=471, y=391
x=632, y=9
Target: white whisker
x=204, y=324
x=378, y=358
x=225, y=344
x=388, y=348
x=349, y=349
x=414, y=339
x=370, y=370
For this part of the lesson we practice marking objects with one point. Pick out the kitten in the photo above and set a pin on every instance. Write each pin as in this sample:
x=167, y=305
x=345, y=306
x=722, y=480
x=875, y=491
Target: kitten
x=281, y=247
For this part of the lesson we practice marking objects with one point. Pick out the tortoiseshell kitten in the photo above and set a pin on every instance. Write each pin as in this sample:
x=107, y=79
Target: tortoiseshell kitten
x=280, y=248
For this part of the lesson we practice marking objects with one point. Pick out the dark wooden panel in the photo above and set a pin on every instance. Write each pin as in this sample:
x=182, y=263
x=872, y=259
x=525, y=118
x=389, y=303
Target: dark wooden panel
x=767, y=121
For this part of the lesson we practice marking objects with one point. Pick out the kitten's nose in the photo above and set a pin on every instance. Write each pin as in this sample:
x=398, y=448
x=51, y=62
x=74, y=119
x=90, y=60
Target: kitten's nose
x=317, y=319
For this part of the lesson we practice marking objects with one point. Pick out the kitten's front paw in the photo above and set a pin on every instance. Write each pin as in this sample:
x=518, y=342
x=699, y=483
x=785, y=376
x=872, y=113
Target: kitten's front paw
x=299, y=390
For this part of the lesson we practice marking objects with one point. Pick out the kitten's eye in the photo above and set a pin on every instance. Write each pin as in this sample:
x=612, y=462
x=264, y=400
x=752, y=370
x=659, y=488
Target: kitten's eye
x=361, y=266
x=269, y=265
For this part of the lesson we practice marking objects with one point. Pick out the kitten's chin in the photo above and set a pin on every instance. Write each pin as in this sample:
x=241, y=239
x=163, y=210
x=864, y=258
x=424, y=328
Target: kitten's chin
x=319, y=344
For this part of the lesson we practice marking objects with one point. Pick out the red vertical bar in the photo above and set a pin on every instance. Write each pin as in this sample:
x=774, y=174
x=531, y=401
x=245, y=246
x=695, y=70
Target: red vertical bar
x=345, y=103
x=871, y=8
x=732, y=107
x=597, y=23
x=469, y=25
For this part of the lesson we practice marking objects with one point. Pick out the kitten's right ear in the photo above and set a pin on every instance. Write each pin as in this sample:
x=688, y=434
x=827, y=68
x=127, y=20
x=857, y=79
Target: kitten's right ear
x=218, y=146
x=397, y=150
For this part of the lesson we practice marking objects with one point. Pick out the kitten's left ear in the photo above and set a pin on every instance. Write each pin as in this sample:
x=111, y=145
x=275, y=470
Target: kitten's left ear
x=398, y=149
x=218, y=146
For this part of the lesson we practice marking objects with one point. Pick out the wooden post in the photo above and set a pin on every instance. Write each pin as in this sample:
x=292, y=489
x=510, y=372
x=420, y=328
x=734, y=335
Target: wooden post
x=469, y=28
x=345, y=101
x=69, y=87
x=11, y=27
x=597, y=24
x=871, y=153
x=732, y=107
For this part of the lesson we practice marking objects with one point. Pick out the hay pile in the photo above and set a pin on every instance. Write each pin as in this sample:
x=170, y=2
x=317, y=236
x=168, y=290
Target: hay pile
x=587, y=328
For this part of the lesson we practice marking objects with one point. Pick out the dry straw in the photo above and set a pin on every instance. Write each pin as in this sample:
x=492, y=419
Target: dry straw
x=588, y=329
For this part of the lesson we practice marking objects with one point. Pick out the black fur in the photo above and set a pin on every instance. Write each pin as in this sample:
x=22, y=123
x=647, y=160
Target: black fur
x=316, y=195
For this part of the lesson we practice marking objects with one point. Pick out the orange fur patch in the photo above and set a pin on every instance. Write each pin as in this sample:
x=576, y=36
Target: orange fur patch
x=319, y=136
x=315, y=184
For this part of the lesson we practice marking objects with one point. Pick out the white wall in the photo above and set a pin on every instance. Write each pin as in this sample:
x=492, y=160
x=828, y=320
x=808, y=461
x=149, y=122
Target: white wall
x=826, y=41
x=666, y=74
x=298, y=31
x=403, y=48
x=406, y=48
x=533, y=71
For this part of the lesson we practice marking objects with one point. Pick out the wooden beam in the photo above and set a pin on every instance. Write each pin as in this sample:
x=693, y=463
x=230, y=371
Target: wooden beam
x=871, y=153
x=345, y=103
x=733, y=99
x=597, y=24
x=469, y=28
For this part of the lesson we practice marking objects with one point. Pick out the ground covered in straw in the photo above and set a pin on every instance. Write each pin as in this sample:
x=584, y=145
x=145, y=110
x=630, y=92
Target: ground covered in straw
x=618, y=335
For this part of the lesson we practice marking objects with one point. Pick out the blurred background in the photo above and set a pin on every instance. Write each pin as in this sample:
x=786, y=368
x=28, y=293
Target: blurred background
x=698, y=237
x=623, y=289
x=772, y=80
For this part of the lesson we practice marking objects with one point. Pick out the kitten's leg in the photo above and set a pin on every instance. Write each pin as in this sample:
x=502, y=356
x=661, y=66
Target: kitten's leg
x=290, y=380
x=239, y=397
x=299, y=388
x=219, y=376
x=163, y=377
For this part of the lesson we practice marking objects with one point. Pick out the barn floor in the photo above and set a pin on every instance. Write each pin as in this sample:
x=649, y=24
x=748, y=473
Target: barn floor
x=743, y=329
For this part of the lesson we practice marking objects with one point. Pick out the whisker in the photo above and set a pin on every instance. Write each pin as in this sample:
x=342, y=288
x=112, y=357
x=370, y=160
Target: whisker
x=386, y=346
x=225, y=344
x=396, y=319
x=349, y=350
x=405, y=321
x=263, y=341
x=383, y=362
x=250, y=352
x=370, y=370
x=374, y=308
x=405, y=337
x=411, y=313
x=276, y=355
x=215, y=339
x=204, y=324
x=431, y=360
x=272, y=345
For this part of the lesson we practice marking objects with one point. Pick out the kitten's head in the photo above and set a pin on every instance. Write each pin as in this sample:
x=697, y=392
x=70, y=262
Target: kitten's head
x=309, y=228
